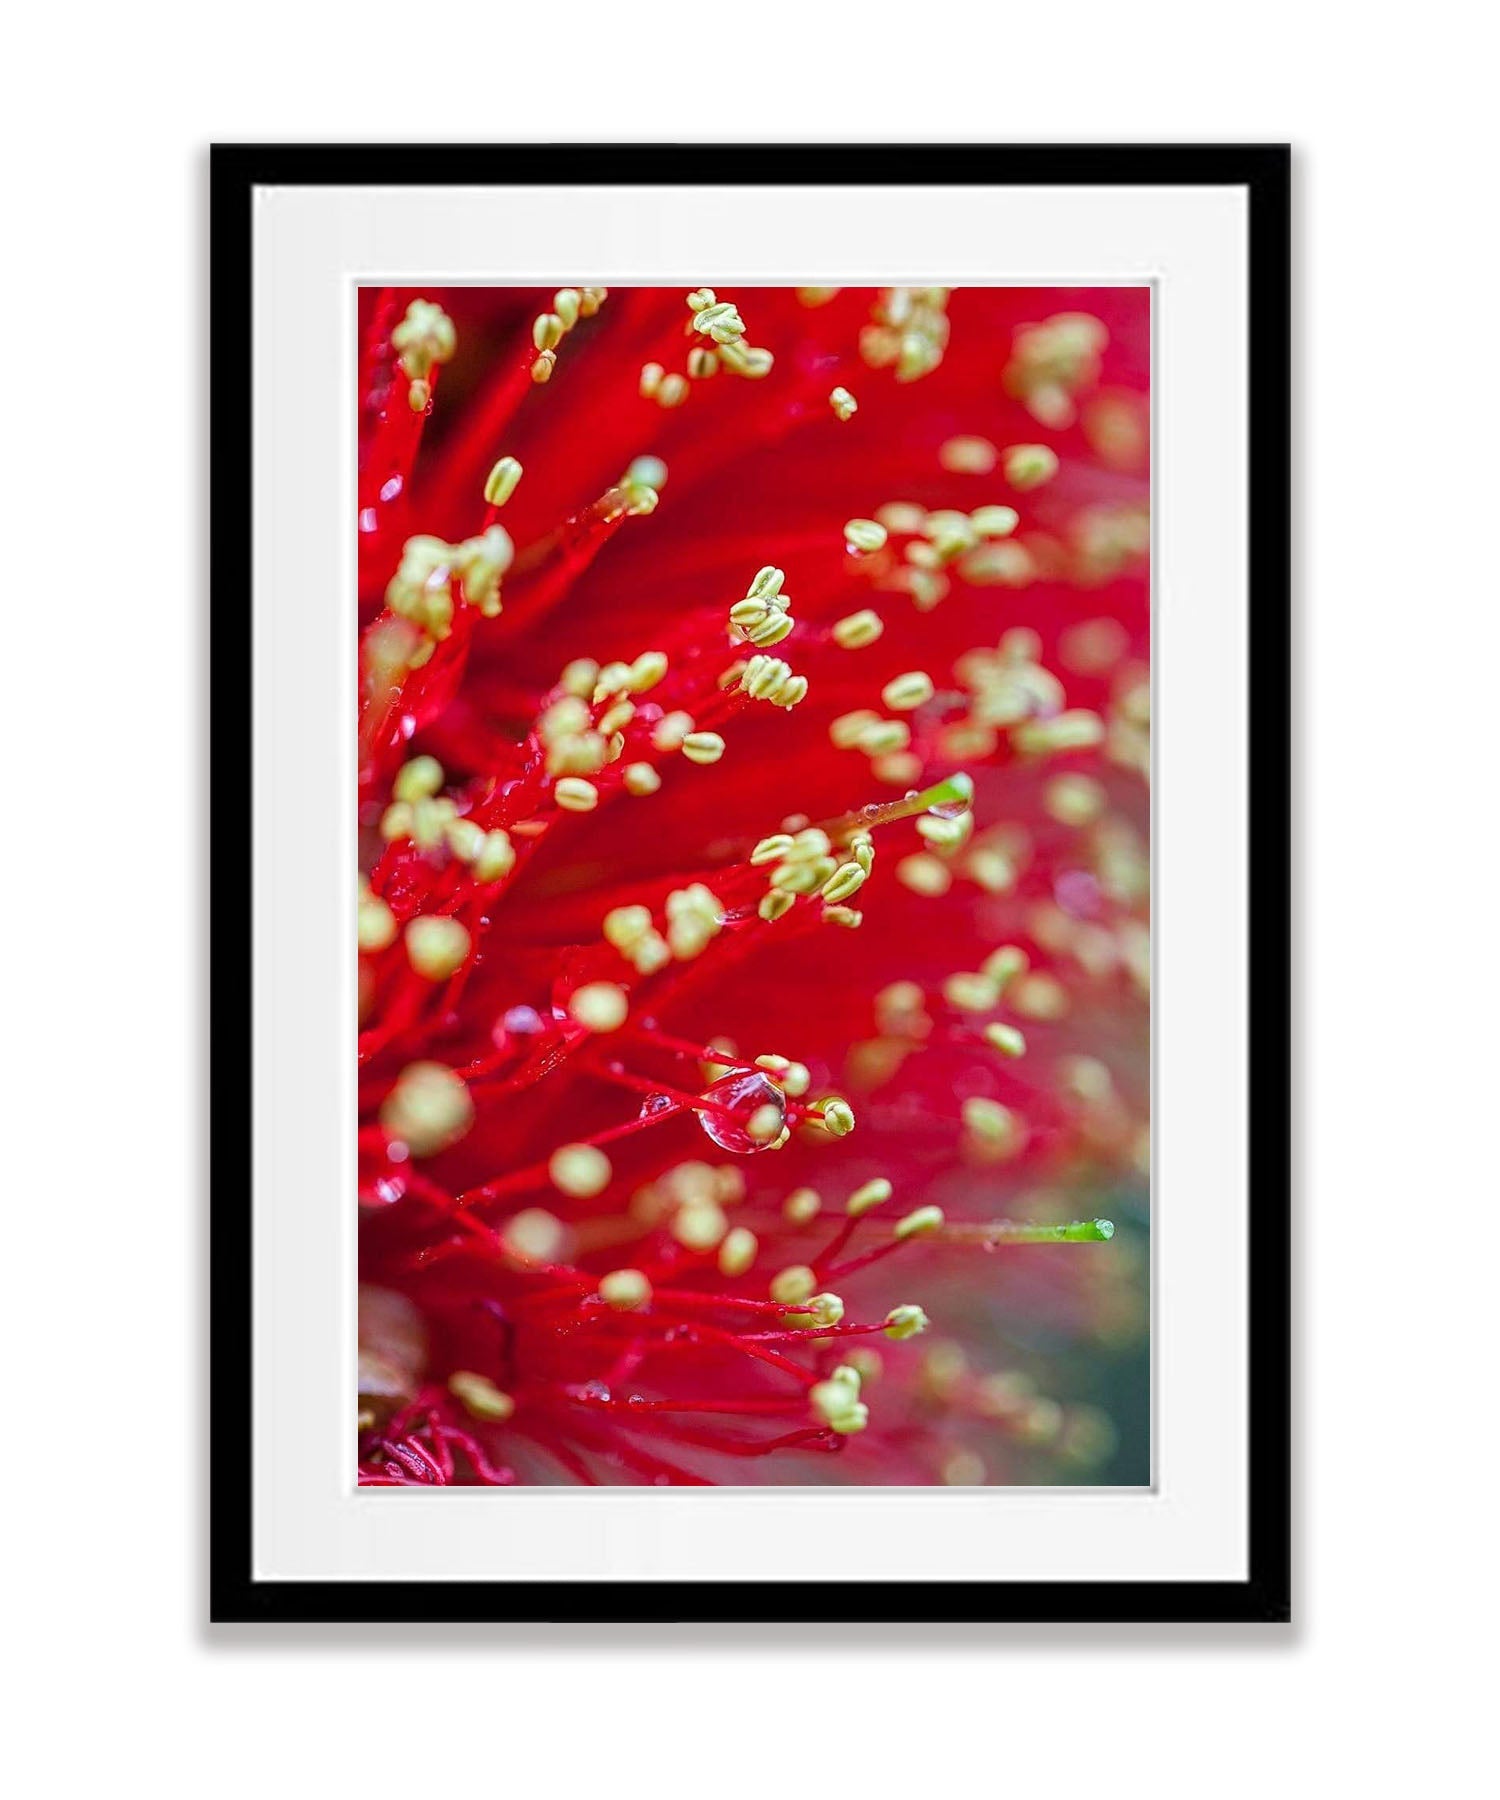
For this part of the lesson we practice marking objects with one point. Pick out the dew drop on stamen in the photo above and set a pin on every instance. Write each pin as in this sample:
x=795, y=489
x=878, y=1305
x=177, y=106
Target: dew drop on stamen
x=743, y=1095
x=656, y=1103
x=950, y=809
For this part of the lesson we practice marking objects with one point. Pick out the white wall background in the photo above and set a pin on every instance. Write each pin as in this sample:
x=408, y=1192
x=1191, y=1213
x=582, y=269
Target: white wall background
x=1377, y=1689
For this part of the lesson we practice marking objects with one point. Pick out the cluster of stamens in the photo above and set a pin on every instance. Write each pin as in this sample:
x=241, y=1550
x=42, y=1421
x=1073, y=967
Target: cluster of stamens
x=695, y=1253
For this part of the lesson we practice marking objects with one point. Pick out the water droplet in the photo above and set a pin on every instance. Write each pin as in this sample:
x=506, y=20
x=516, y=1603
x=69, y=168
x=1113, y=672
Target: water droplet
x=597, y=1391
x=744, y=1095
x=656, y=1103
x=525, y=1021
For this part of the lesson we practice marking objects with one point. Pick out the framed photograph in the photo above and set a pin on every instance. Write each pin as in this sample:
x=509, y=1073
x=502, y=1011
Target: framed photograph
x=750, y=853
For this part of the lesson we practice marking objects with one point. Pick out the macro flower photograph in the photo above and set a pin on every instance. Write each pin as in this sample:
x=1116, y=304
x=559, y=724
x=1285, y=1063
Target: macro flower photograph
x=754, y=940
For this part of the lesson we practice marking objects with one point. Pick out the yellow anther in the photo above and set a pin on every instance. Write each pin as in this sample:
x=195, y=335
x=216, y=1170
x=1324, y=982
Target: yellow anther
x=418, y=779
x=575, y=795
x=921, y=1223
x=592, y=299
x=765, y=1124
x=858, y=629
x=994, y=521
x=765, y=583
x=816, y=296
x=837, y=1115
x=992, y=1125
x=651, y=380
x=651, y=953
x=646, y=471
x=418, y=395
x=1076, y=730
x=1004, y=964
x=865, y=1198
x=640, y=778
x=579, y=677
x=899, y=768
x=1029, y=465
x=377, y=923
x=904, y=693
x=802, y=877
x=720, y=321
x=701, y=363
x=1074, y=799
x=534, y=1235
x=616, y=717
x=428, y=1109
x=703, y=747
x=835, y=1403
x=845, y=731
x=479, y=1396
x=865, y=536
x=847, y=879
x=673, y=391
x=565, y=717
x=738, y=1251
x=763, y=676
x=946, y=834
x=793, y=1286
x=771, y=849
x=625, y=926
x=1039, y=996
x=903, y=1322
x=826, y=1309
x=546, y=331
x=700, y=298
x=646, y=671
x=884, y=736
x=497, y=857
x=802, y=1206
x=627, y=1290
x=599, y=1006
x=924, y=874
x=541, y=369
x=844, y=405
x=774, y=628
x=968, y=456
x=670, y=730
x=579, y=1170
x=567, y=303
x=699, y=1224
x=424, y=337
x=742, y=359
x=971, y=992
x=436, y=946
x=775, y=904
x=904, y=517
x=926, y=587
x=748, y=614
x=502, y=481
x=1006, y=1039
x=465, y=839
x=850, y=918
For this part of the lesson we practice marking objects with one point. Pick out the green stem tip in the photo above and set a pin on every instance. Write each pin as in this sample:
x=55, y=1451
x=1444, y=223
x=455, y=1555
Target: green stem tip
x=1016, y=1231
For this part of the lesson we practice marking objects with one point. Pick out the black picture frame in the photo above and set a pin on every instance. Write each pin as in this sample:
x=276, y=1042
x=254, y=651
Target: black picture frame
x=1263, y=172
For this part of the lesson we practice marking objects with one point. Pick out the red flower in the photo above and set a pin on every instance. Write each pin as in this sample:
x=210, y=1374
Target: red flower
x=754, y=921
